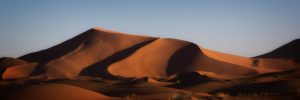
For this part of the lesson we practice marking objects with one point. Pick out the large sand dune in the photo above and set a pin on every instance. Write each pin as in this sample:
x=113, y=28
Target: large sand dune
x=103, y=64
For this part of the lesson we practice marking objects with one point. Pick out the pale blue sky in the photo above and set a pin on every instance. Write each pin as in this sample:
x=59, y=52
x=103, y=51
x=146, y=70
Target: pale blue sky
x=241, y=27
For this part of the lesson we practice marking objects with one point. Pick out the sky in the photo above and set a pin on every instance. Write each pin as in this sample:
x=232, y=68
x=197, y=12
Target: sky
x=241, y=27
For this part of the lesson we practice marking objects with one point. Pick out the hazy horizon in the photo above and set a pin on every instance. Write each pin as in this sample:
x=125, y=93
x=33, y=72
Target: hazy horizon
x=245, y=28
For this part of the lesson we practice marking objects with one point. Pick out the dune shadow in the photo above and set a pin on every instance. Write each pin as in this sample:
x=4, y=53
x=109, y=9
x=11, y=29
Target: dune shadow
x=182, y=58
x=44, y=56
x=100, y=69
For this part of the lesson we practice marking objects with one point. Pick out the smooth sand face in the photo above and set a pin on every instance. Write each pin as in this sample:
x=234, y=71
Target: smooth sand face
x=238, y=60
x=205, y=63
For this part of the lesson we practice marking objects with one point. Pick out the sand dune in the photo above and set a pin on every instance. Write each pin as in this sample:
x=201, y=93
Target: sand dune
x=259, y=64
x=154, y=59
x=229, y=58
x=93, y=46
x=109, y=54
x=19, y=71
x=284, y=58
x=54, y=92
x=6, y=62
x=289, y=50
x=103, y=64
x=205, y=63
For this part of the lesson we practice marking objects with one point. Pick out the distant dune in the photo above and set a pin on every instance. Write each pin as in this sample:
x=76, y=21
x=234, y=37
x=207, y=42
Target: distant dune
x=103, y=64
x=289, y=50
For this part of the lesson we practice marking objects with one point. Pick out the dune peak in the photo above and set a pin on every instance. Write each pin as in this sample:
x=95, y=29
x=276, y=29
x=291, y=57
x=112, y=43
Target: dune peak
x=104, y=30
x=296, y=41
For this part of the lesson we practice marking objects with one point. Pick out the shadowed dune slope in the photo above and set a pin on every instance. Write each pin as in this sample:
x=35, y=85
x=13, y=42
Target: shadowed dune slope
x=289, y=50
x=100, y=69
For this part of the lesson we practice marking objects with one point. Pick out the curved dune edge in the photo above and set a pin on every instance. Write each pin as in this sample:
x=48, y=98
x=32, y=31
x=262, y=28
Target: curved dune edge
x=19, y=71
x=205, y=63
x=56, y=92
x=6, y=62
x=149, y=61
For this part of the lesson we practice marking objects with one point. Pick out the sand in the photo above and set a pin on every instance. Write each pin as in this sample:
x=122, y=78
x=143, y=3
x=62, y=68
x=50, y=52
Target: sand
x=102, y=64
